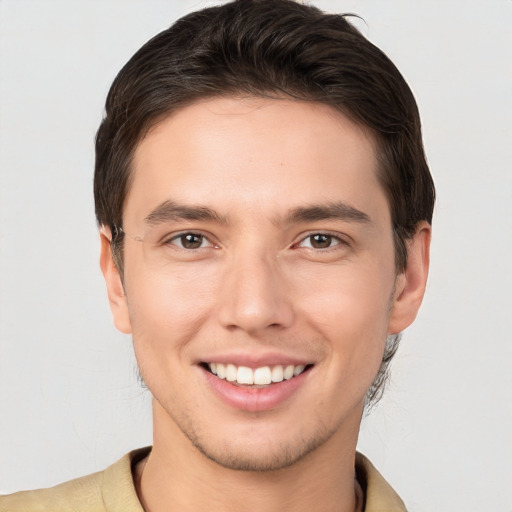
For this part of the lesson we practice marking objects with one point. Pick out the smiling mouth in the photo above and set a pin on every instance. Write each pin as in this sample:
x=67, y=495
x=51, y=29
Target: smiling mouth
x=263, y=376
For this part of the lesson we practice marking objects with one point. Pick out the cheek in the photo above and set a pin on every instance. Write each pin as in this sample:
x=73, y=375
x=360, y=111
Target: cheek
x=167, y=297
x=166, y=311
x=355, y=331
x=350, y=309
x=356, y=296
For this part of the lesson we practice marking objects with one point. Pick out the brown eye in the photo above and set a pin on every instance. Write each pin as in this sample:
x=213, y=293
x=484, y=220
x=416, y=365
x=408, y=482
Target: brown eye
x=190, y=241
x=320, y=241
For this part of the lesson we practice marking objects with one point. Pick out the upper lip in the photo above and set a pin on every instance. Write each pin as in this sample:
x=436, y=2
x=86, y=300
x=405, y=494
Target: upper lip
x=255, y=360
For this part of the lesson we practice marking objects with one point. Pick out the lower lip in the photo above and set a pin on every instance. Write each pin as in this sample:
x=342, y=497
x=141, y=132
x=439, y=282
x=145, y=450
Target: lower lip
x=254, y=399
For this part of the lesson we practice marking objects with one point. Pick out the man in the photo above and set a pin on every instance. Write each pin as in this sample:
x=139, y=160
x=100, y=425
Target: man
x=264, y=208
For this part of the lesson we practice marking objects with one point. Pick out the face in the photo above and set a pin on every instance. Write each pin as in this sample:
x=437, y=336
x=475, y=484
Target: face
x=259, y=277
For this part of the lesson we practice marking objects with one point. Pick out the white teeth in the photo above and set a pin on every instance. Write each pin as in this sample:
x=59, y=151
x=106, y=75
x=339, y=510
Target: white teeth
x=231, y=372
x=277, y=373
x=298, y=370
x=221, y=371
x=288, y=372
x=260, y=376
x=244, y=375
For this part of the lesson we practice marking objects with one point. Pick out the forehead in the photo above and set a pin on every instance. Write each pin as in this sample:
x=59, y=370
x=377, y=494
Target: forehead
x=262, y=153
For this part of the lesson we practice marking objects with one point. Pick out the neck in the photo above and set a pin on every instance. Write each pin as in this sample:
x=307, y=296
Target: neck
x=177, y=475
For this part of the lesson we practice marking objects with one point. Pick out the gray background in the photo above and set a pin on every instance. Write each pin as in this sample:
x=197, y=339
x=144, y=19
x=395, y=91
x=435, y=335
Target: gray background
x=70, y=402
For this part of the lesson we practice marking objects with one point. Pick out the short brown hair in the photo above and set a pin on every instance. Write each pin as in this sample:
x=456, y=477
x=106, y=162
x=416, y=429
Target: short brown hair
x=268, y=48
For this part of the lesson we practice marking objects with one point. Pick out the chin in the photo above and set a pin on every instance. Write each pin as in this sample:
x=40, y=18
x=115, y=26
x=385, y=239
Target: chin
x=259, y=455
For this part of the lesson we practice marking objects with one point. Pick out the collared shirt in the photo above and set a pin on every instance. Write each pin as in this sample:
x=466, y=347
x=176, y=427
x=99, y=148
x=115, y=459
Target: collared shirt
x=113, y=490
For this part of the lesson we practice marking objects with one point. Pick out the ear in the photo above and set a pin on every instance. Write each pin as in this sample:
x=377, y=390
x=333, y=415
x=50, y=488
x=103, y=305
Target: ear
x=411, y=283
x=115, y=288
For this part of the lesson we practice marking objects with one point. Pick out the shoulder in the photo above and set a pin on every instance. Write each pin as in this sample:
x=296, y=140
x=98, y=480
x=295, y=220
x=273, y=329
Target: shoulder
x=379, y=495
x=111, y=490
x=81, y=494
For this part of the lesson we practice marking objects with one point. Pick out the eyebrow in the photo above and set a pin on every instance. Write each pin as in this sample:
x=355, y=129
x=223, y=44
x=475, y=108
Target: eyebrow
x=171, y=211
x=337, y=211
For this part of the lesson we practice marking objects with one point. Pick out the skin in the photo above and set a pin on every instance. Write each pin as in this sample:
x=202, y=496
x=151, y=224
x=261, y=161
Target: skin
x=259, y=284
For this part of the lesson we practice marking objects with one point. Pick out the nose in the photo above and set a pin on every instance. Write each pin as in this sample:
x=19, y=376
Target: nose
x=254, y=296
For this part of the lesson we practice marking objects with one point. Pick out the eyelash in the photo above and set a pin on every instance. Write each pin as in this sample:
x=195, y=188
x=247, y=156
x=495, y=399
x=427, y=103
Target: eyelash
x=332, y=237
x=169, y=240
x=340, y=241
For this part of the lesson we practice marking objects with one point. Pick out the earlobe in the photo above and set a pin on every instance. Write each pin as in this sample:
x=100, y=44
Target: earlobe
x=410, y=285
x=115, y=288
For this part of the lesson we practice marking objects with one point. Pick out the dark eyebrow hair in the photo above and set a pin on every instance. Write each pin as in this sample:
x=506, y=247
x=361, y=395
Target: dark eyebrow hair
x=339, y=210
x=172, y=211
